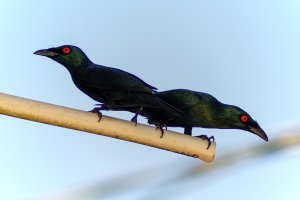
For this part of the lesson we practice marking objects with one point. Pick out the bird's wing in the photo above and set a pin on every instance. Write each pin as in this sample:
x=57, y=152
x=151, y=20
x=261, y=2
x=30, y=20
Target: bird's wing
x=108, y=78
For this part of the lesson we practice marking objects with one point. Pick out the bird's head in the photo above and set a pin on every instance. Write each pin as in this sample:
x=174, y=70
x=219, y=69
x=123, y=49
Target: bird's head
x=240, y=119
x=69, y=56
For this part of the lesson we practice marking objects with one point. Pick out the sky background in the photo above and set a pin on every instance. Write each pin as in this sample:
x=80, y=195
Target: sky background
x=244, y=53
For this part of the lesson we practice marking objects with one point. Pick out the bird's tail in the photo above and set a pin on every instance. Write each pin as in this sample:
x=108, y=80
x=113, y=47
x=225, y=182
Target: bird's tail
x=155, y=102
x=152, y=107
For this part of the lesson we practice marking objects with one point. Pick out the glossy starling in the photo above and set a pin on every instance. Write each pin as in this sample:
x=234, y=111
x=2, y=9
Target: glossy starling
x=201, y=110
x=113, y=87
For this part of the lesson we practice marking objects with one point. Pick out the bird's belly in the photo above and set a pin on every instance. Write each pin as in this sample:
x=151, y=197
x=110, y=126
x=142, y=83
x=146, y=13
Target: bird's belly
x=188, y=120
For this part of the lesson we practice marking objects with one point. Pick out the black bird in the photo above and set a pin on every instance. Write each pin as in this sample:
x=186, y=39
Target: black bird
x=113, y=87
x=201, y=110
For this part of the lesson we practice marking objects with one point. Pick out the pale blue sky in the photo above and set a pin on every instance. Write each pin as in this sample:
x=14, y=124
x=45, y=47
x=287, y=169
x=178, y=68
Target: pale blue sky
x=244, y=53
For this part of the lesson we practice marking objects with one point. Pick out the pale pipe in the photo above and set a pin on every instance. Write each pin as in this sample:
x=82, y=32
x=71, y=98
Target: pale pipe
x=85, y=121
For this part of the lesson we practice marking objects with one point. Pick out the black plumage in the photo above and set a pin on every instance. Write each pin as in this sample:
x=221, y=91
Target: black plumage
x=113, y=87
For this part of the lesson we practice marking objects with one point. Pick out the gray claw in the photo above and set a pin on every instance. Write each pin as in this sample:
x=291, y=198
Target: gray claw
x=97, y=111
x=209, y=139
x=160, y=127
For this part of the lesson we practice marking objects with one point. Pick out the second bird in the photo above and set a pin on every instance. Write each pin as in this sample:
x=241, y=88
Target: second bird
x=201, y=110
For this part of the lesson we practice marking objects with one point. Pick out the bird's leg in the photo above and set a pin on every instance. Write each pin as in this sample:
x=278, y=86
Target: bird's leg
x=97, y=110
x=209, y=139
x=188, y=130
x=134, y=119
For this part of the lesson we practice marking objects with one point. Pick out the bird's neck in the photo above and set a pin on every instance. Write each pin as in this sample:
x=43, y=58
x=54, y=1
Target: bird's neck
x=222, y=116
x=74, y=67
x=74, y=62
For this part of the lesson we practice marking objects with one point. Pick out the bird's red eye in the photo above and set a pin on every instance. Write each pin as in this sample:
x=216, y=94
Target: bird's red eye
x=66, y=50
x=244, y=118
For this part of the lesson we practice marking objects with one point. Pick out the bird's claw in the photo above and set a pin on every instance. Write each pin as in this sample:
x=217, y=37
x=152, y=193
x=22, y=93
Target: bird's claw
x=160, y=127
x=209, y=139
x=97, y=111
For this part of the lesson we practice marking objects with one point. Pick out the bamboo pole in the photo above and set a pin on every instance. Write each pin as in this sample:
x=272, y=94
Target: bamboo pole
x=85, y=121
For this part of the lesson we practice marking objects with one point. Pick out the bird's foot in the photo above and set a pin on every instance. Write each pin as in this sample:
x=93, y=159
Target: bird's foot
x=161, y=128
x=209, y=139
x=97, y=111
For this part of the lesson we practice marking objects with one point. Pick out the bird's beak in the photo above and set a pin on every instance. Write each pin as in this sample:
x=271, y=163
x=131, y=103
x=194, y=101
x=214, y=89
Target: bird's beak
x=46, y=52
x=259, y=132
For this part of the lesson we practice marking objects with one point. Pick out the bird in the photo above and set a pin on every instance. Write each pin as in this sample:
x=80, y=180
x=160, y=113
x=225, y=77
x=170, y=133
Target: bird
x=112, y=87
x=201, y=110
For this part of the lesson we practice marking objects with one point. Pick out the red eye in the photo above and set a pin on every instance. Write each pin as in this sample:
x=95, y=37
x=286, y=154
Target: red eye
x=66, y=50
x=244, y=118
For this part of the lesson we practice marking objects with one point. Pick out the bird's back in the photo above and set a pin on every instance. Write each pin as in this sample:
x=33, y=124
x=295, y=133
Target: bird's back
x=197, y=108
x=185, y=99
x=108, y=78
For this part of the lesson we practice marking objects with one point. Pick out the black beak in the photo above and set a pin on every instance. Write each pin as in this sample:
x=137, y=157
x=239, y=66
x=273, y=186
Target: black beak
x=259, y=132
x=46, y=52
